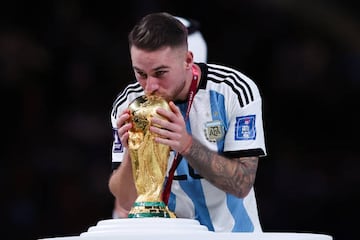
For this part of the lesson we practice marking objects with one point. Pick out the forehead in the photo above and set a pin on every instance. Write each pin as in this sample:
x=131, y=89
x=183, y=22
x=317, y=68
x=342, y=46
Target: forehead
x=149, y=60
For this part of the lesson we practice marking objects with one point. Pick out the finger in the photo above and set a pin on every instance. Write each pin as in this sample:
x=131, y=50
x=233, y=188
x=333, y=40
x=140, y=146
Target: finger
x=124, y=129
x=123, y=126
x=175, y=109
x=164, y=113
x=171, y=142
x=122, y=118
x=165, y=133
x=161, y=123
x=124, y=139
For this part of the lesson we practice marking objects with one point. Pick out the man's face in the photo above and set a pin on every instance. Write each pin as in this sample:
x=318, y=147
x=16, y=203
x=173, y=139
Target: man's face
x=161, y=72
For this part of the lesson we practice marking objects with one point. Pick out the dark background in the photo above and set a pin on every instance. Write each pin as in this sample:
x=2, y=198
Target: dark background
x=63, y=62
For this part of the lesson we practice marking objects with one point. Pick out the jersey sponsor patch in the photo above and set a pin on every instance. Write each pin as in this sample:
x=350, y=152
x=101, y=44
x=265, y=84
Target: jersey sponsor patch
x=245, y=128
x=214, y=130
x=117, y=146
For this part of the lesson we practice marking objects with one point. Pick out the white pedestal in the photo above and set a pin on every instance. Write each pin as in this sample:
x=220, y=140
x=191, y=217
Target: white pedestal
x=174, y=229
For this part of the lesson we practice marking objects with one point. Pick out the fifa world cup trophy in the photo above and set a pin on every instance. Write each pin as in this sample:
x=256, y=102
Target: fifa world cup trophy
x=149, y=159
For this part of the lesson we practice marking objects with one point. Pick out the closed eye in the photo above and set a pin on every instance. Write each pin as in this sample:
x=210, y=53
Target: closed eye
x=159, y=74
x=141, y=74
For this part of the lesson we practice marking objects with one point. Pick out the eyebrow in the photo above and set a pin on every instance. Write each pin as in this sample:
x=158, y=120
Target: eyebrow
x=162, y=67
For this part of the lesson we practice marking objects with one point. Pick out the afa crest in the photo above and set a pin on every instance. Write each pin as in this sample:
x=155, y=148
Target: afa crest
x=214, y=131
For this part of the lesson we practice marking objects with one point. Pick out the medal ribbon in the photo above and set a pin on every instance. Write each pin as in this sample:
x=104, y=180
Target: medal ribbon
x=178, y=157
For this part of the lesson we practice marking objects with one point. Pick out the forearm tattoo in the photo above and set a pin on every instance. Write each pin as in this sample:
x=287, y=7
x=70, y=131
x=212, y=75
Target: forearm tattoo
x=232, y=175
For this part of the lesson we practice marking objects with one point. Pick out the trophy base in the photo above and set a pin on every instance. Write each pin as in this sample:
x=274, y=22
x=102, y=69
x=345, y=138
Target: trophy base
x=150, y=209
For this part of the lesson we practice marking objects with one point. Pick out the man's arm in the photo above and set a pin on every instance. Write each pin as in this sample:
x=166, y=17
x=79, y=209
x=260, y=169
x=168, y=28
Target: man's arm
x=121, y=185
x=233, y=175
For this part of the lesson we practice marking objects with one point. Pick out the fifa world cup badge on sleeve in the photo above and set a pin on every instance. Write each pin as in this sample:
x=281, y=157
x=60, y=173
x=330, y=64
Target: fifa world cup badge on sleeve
x=117, y=146
x=245, y=128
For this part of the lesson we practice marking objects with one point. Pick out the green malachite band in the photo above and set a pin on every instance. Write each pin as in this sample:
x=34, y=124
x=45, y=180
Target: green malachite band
x=144, y=215
x=149, y=209
x=149, y=204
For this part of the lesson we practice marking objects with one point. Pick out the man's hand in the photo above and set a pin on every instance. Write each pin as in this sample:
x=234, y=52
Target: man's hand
x=172, y=132
x=123, y=126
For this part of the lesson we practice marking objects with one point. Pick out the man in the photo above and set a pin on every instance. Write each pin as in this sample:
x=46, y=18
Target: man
x=198, y=46
x=215, y=124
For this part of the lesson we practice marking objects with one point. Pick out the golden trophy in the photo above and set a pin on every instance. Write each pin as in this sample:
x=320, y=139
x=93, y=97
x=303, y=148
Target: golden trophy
x=149, y=159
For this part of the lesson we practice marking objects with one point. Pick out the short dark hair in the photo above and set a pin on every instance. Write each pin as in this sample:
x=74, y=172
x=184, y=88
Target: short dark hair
x=157, y=30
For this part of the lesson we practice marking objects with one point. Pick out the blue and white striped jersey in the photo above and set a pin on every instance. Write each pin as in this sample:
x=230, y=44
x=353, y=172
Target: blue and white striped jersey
x=226, y=116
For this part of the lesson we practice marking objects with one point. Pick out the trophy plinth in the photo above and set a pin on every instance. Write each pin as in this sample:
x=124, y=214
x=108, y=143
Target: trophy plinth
x=149, y=209
x=148, y=158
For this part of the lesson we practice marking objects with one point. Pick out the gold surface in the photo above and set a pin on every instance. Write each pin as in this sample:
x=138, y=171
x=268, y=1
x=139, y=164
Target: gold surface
x=149, y=159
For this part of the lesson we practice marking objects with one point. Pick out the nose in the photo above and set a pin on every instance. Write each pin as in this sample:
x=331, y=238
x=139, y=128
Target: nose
x=151, y=85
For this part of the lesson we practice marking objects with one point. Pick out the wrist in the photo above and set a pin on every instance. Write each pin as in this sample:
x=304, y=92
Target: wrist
x=187, y=147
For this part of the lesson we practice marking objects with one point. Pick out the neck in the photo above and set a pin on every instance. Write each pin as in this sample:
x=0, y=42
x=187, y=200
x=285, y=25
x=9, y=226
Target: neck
x=190, y=82
x=197, y=71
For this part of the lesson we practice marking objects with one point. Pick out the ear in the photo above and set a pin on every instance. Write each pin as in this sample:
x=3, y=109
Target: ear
x=189, y=60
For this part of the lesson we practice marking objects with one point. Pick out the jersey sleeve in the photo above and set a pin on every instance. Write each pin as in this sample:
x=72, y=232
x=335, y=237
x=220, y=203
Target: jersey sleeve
x=245, y=135
x=121, y=103
x=118, y=150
